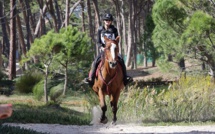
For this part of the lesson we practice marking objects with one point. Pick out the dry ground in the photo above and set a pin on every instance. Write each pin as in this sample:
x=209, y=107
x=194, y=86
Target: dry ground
x=119, y=128
x=147, y=73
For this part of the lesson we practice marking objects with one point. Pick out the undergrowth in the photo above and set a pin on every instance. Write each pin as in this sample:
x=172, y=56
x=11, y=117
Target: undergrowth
x=16, y=130
x=190, y=99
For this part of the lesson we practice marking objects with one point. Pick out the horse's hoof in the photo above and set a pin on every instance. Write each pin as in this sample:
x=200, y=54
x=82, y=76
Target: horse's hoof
x=104, y=121
x=113, y=123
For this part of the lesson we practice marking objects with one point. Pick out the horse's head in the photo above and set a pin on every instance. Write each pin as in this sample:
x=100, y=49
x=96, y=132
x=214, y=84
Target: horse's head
x=112, y=51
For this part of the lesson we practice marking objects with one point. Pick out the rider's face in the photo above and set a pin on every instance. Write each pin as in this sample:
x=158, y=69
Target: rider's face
x=107, y=22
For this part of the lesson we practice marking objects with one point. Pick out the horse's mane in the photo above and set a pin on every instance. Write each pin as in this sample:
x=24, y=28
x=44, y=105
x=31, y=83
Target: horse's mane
x=103, y=58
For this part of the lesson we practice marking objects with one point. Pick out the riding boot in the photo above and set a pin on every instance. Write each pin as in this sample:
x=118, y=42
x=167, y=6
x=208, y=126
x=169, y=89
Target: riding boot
x=126, y=79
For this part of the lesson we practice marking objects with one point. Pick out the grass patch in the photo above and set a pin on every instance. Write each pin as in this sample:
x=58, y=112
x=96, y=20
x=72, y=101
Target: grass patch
x=191, y=99
x=16, y=130
x=28, y=110
x=47, y=114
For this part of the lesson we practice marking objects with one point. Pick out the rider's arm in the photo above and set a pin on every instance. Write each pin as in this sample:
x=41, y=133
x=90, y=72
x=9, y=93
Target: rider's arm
x=116, y=32
x=99, y=41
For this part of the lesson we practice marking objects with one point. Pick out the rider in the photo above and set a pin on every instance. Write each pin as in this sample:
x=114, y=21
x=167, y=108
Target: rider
x=110, y=32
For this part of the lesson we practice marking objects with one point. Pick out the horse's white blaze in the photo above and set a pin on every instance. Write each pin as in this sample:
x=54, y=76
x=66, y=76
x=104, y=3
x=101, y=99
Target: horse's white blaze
x=112, y=50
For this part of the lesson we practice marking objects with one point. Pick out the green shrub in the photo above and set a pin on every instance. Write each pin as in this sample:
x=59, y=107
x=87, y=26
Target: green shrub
x=38, y=90
x=2, y=75
x=25, y=83
x=56, y=93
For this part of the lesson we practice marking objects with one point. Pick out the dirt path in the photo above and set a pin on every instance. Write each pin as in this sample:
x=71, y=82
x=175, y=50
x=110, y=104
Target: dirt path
x=119, y=128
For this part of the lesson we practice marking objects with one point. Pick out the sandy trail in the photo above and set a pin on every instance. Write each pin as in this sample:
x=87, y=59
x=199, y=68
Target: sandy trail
x=119, y=128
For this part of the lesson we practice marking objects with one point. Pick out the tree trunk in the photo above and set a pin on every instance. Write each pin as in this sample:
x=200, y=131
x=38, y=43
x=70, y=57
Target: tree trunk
x=130, y=33
x=12, y=56
x=70, y=12
x=118, y=21
x=42, y=28
x=52, y=12
x=28, y=20
x=82, y=16
x=145, y=62
x=1, y=60
x=90, y=25
x=67, y=13
x=97, y=21
x=134, y=19
x=65, y=80
x=4, y=32
x=59, y=22
x=42, y=12
x=124, y=29
x=21, y=37
x=45, y=85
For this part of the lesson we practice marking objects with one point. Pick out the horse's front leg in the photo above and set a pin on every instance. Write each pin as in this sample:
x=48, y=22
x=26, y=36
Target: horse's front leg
x=113, y=103
x=103, y=107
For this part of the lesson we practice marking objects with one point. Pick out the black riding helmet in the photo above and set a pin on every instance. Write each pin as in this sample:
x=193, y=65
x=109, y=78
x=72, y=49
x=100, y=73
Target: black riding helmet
x=108, y=17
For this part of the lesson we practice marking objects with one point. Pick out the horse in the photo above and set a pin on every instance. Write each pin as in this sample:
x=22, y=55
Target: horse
x=109, y=80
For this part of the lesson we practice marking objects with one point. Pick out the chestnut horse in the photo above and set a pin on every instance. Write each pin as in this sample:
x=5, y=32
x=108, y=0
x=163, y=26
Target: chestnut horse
x=110, y=78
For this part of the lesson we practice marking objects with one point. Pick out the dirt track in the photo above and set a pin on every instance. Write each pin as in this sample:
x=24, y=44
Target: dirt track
x=119, y=128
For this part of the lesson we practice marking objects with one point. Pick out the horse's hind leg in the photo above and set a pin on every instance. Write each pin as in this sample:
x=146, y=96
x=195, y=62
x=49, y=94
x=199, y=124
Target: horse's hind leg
x=103, y=107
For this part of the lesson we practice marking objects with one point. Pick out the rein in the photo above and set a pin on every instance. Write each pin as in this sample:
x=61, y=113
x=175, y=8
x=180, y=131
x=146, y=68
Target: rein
x=108, y=83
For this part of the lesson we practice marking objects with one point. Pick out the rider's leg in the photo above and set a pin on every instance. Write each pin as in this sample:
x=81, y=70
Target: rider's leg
x=95, y=65
x=92, y=75
x=126, y=79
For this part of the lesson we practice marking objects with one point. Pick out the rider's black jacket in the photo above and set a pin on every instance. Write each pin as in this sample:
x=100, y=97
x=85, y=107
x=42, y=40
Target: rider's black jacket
x=110, y=33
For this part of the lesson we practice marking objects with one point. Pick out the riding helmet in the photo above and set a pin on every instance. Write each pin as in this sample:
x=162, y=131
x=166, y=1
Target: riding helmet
x=108, y=17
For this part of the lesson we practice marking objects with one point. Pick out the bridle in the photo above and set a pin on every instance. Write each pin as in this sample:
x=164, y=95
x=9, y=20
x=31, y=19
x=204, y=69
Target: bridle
x=100, y=72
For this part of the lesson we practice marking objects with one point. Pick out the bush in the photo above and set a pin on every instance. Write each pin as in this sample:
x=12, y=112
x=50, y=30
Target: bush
x=25, y=83
x=2, y=75
x=38, y=90
x=56, y=93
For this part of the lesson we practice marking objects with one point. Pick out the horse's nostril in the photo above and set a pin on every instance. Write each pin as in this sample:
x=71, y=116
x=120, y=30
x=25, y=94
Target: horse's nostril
x=113, y=63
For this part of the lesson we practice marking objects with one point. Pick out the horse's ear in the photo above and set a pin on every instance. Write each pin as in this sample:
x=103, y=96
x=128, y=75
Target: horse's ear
x=117, y=39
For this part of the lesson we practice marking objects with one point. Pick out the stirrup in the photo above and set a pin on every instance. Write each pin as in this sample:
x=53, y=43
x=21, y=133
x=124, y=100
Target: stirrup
x=88, y=81
x=128, y=80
